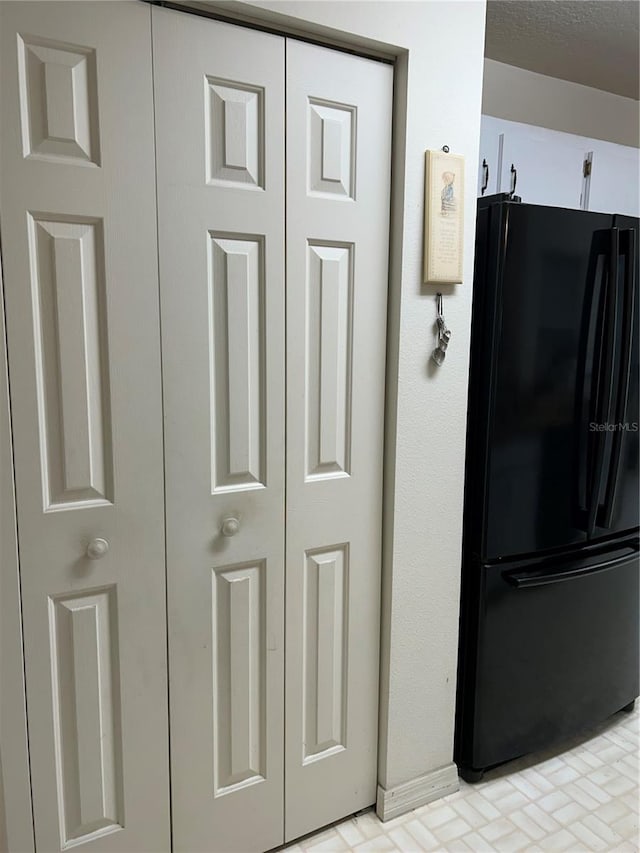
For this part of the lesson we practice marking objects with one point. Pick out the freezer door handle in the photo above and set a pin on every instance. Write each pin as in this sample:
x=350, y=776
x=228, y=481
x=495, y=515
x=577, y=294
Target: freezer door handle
x=628, y=249
x=538, y=577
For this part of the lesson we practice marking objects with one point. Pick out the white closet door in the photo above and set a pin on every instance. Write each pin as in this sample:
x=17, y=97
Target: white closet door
x=219, y=94
x=615, y=179
x=79, y=252
x=489, y=154
x=549, y=165
x=338, y=162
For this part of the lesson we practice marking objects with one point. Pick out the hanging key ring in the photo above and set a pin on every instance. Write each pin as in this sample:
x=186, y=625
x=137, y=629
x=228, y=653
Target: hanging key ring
x=444, y=335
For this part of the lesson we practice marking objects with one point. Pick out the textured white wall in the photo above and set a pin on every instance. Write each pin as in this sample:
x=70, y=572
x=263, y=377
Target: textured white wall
x=441, y=75
x=520, y=95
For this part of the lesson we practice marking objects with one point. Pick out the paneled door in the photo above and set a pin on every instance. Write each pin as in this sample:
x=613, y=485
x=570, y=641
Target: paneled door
x=338, y=161
x=242, y=779
x=80, y=273
x=614, y=184
x=219, y=94
x=548, y=165
x=490, y=155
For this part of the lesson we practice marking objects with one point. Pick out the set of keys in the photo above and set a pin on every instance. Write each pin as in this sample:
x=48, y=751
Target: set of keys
x=444, y=334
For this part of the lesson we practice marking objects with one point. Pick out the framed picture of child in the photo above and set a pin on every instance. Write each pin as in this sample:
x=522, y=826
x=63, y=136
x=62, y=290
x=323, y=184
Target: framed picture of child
x=444, y=217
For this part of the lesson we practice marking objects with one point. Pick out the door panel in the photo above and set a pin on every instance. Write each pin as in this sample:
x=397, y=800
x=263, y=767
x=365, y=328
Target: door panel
x=79, y=249
x=553, y=657
x=535, y=441
x=69, y=315
x=219, y=95
x=549, y=165
x=338, y=160
x=491, y=140
x=619, y=509
x=615, y=179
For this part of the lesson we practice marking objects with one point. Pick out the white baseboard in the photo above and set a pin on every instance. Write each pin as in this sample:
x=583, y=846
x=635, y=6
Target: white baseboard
x=403, y=798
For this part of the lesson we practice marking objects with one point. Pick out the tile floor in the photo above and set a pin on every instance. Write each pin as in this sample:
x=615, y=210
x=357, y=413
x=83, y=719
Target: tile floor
x=580, y=797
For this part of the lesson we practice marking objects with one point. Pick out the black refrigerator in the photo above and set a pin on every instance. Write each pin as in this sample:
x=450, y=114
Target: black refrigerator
x=549, y=598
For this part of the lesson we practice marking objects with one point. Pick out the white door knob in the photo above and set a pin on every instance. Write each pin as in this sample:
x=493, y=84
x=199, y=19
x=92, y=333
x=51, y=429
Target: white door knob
x=230, y=526
x=97, y=548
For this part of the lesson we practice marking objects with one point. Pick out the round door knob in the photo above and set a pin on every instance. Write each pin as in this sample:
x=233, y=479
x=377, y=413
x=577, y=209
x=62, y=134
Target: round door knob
x=230, y=526
x=97, y=548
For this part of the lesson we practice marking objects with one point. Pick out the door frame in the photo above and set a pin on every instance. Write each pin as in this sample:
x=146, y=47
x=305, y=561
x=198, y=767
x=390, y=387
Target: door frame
x=16, y=816
x=15, y=800
x=253, y=17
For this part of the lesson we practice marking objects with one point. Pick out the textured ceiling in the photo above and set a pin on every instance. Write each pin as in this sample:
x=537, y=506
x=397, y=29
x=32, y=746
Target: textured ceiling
x=593, y=42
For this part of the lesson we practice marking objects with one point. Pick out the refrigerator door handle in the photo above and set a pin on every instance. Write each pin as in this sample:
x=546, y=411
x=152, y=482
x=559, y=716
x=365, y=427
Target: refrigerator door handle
x=604, y=401
x=628, y=247
x=527, y=580
x=594, y=307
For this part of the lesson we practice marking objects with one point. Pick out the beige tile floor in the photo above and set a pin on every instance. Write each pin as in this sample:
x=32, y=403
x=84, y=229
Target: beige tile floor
x=582, y=796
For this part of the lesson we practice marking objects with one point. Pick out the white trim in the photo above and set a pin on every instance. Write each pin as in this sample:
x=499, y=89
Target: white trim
x=410, y=795
x=244, y=13
x=16, y=820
